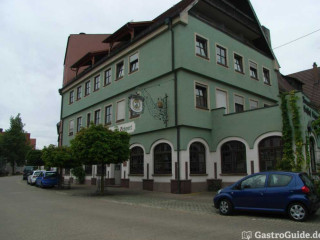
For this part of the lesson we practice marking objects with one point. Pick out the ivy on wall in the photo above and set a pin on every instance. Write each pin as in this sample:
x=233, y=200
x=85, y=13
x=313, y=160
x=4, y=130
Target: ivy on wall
x=296, y=130
x=287, y=161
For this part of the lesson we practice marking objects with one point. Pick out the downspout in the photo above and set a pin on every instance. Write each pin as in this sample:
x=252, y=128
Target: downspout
x=169, y=22
x=60, y=136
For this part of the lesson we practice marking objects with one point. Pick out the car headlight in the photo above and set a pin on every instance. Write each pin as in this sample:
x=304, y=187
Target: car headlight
x=219, y=191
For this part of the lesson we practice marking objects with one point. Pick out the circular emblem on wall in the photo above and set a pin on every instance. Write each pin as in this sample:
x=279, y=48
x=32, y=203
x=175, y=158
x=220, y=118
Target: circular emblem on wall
x=136, y=103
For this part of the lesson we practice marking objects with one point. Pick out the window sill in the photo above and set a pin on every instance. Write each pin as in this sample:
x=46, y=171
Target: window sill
x=202, y=108
x=106, y=84
x=96, y=90
x=222, y=65
x=257, y=79
x=107, y=124
x=134, y=117
x=119, y=121
x=87, y=95
x=206, y=58
x=161, y=175
x=239, y=72
x=118, y=78
x=268, y=84
x=198, y=174
x=133, y=71
x=233, y=174
x=136, y=175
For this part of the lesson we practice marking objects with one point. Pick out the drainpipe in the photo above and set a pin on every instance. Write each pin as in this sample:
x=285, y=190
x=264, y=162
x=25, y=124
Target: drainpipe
x=169, y=22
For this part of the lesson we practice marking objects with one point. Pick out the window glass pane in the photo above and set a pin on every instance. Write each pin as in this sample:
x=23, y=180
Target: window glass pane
x=121, y=110
x=253, y=104
x=257, y=181
x=108, y=112
x=279, y=180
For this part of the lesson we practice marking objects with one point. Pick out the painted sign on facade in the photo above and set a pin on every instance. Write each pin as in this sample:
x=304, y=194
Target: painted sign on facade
x=126, y=127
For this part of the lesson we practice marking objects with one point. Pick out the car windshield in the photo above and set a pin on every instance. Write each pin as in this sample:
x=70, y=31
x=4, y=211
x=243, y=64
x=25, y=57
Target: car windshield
x=37, y=173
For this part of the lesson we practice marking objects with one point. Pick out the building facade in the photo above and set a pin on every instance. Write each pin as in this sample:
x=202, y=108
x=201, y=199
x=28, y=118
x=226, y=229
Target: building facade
x=196, y=88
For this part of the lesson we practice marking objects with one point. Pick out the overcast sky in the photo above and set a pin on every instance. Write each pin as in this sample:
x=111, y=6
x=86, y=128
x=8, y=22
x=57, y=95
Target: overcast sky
x=34, y=35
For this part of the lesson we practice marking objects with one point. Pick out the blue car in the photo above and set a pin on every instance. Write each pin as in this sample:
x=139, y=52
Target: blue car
x=282, y=192
x=47, y=179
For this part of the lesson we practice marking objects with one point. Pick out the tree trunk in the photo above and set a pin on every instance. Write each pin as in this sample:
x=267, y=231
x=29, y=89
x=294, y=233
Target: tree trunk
x=12, y=166
x=102, y=179
x=60, y=177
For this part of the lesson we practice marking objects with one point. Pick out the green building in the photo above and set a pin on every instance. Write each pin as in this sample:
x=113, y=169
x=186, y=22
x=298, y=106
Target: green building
x=197, y=89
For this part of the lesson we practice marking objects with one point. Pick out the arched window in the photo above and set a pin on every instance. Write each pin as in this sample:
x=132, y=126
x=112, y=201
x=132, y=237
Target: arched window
x=162, y=159
x=233, y=157
x=270, y=153
x=197, y=158
x=312, y=156
x=136, y=160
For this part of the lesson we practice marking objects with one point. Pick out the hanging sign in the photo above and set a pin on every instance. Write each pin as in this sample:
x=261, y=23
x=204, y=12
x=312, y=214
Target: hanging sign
x=136, y=103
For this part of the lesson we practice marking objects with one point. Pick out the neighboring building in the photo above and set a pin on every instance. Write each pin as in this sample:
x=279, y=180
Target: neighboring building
x=196, y=88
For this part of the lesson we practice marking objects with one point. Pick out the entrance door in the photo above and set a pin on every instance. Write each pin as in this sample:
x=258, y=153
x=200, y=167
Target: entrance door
x=117, y=174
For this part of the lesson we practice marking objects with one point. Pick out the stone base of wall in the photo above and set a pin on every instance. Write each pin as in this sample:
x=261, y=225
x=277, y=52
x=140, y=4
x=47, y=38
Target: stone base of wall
x=162, y=187
x=185, y=186
x=125, y=183
x=147, y=184
x=93, y=181
x=214, y=184
x=109, y=181
x=199, y=187
x=136, y=185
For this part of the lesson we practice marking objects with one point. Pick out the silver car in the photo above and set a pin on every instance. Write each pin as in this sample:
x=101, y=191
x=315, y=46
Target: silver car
x=32, y=178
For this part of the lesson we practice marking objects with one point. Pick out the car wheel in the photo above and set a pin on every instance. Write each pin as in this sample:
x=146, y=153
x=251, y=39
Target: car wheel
x=225, y=207
x=297, y=212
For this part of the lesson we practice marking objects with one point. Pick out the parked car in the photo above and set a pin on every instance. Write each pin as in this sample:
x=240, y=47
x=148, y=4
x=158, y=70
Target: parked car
x=27, y=171
x=283, y=192
x=47, y=179
x=32, y=178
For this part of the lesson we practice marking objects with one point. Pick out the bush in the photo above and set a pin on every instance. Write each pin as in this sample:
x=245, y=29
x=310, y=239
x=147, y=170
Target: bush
x=79, y=173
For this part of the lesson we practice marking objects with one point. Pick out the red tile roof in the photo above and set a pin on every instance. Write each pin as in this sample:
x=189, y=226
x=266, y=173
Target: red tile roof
x=79, y=45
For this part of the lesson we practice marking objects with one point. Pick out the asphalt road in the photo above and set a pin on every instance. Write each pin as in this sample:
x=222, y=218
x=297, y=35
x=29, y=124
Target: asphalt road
x=28, y=213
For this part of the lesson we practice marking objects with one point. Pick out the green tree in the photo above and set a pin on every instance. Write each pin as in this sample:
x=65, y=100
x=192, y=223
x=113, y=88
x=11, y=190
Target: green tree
x=101, y=146
x=59, y=157
x=14, y=143
x=34, y=158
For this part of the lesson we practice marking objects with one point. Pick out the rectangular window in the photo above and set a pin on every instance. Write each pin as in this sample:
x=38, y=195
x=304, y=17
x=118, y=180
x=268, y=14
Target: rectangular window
x=221, y=55
x=79, y=92
x=87, y=88
x=266, y=76
x=120, y=70
x=71, y=97
x=221, y=97
x=96, y=83
x=71, y=127
x=134, y=62
x=88, y=119
x=201, y=47
x=201, y=96
x=253, y=104
x=121, y=110
x=238, y=63
x=238, y=103
x=108, y=116
x=79, y=123
x=253, y=70
x=97, y=117
x=107, y=77
x=88, y=170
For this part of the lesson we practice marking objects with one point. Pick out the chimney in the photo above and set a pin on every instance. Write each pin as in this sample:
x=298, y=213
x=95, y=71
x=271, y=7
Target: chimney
x=266, y=32
x=316, y=73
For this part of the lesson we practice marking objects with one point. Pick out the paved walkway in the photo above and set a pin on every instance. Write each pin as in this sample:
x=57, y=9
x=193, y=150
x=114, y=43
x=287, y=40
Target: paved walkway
x=195, y=202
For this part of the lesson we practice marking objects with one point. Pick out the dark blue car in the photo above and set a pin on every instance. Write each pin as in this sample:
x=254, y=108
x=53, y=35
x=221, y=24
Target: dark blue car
x=283, y=192
x=47, y=179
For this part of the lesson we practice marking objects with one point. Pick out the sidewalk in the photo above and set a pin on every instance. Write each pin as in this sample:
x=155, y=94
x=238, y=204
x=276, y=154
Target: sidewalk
x=195, y=202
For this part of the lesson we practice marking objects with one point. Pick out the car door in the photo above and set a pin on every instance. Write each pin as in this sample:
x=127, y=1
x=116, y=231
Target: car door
x=249, y=193
x=279, y=188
